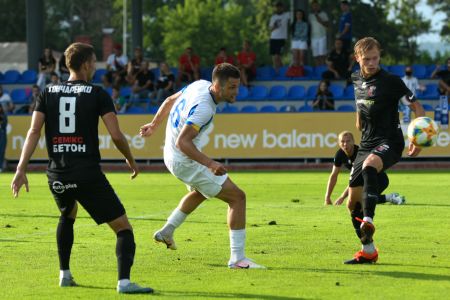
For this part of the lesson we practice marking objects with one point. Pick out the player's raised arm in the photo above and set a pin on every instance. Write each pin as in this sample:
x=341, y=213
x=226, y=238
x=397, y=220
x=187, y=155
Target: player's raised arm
x=33, y=135
x=161, y=115
x=112, y=124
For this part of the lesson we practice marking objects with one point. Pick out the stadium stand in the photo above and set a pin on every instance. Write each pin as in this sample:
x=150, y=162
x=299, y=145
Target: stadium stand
x=249, y=109
x=19, y=96
x=258, y=93
x=268, y=109
x=277, y=92
x=28, y=76
x=346, y=108
x=305, y=108
x=10, y=77
x=296, y=92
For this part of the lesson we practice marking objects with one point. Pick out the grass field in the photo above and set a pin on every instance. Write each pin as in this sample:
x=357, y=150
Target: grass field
x=303, y=252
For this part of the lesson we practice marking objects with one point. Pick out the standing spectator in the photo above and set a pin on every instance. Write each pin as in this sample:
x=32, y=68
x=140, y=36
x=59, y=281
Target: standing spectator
x=6, y=106
x=324, y=97
x=134, y=65
x=47, y=65
x=345, y=25
x=223, y=57
x=299, y=38
x=63, y=70
x=278, y=26
x=411, y=82
x=165, y=84
x=319, y=22
x=444, y=76
x=189, y=67
x=339, y=62
x=116, y=67
x=143, y=84
x=246, y=62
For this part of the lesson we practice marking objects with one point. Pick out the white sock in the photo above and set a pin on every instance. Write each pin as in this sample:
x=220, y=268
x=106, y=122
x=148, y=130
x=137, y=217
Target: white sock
x=368, y=219
x=123, y=282
x=175, y=219
x=237, y=245
x=65, y=274
x=369, y=248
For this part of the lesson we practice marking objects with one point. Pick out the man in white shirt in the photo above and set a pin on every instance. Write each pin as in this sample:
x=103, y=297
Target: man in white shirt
x=278, y=26
x=191, y=112
x=116, y=66
x=319, y=23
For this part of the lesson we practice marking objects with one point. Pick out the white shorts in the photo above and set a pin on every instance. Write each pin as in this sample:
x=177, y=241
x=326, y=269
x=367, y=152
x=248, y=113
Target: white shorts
x=300, y=45
x=197, y=177
x=319, y=46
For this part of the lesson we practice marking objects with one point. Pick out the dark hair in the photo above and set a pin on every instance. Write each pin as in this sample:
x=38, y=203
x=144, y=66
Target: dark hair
x=77, y=54
x=295, y=19
x=319, y=92
x=345, y=2
x=222, y=72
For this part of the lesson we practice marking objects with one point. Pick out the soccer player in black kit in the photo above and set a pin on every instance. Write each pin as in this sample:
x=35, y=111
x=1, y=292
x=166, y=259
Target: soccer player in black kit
x=377, y=94
x=70, y=112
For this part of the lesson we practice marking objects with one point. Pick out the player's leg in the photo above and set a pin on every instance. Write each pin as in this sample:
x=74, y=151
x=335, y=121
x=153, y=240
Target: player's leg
x=355, y=208
x=394, y=198
x=236, y=200
x=187, y=205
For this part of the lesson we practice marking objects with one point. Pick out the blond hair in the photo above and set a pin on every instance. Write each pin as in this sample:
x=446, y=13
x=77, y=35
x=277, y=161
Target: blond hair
x=366, y=44
x=345, y=133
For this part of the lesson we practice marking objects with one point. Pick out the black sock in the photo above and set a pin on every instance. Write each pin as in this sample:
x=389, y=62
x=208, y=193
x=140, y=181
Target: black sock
x=370, y=191
x=125, y=249
x=357, y=212
x=64, y=239
x=381, y=199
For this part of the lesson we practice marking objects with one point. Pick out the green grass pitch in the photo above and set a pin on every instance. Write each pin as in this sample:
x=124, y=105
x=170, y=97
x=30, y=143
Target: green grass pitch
x=304, y=251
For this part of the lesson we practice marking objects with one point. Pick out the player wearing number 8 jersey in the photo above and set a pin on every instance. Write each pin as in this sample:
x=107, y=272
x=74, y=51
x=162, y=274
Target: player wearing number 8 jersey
x=190, y=113
x=70, y=112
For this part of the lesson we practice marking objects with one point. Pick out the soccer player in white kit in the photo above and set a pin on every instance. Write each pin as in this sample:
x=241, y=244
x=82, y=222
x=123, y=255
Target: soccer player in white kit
x=191, y=112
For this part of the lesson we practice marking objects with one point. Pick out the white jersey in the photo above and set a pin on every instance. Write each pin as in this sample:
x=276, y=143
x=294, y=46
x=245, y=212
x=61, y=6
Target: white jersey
x=195, y=107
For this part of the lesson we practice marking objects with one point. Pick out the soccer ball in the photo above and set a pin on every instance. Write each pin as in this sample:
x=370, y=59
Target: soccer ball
x=423, y=132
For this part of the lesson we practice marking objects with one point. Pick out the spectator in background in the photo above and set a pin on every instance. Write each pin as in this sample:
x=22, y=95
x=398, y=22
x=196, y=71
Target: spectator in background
x=189, y=67
x=278, y=27
x=246, y=61
x=115, y=67
x=47, y=65
x=319, y=22
x=120, y=103
x=143, y=84
x=165, y=84
x=299, y=38
x=345, y=26
x=223, y=57
x=35, y=92
x=324, y=97
x=6, y=107
x=339, y=62
x=411, y=82
x=63, y=70
x=134, y=65
x=444, y=78
x=54, y=78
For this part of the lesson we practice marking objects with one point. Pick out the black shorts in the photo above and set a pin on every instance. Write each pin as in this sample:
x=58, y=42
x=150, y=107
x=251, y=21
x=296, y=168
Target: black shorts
x=96, y=196
x=276, y=46
x=390, y=154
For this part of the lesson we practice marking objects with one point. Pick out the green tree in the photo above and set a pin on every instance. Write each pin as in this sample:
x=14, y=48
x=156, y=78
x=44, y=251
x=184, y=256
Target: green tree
x=13, y=21
x=443, y=6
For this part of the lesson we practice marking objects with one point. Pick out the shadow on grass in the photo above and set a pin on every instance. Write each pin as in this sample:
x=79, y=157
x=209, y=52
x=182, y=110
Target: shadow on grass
x=427, y=204
x=394, y=274
x=88, y=286
x=180, y=294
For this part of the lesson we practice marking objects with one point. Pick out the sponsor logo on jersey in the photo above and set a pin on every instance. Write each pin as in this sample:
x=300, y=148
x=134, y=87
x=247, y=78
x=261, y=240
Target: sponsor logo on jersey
x=68, y=144
x=371, y=91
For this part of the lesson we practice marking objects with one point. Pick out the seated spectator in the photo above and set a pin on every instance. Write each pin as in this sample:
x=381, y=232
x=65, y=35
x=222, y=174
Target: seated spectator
x=444, y=78
x=29, y=108
x=54, y=78
x=339, y=62
x=115, y=67
x=47, y=65
x=143, y=84
x=6, y=102
x=246, y=61
x=189, y=67
x=324, y=97
x=299, y=30
x=165, y=84
x=411, y=82
x=120, y=103
x=134, y=65
x=223, y=57
x=63, y=70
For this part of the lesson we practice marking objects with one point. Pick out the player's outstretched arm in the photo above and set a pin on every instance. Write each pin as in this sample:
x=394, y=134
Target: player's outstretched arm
x=33, y=135
x=112, y=124
x=185, y=144
x=331, y=184
x=418, y=112
x=161, y=115
x=341, y=199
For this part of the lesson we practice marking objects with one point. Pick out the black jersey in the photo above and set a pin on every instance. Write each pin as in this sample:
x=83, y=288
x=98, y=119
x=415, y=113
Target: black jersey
x=72, y=110
x=377, y=100
x=342, y=159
